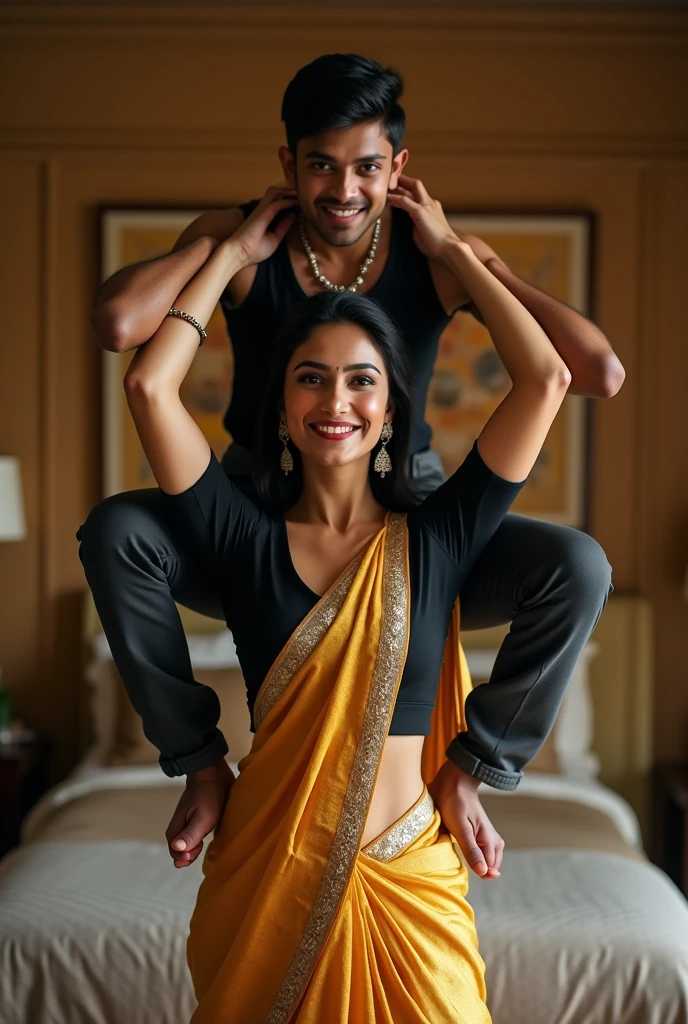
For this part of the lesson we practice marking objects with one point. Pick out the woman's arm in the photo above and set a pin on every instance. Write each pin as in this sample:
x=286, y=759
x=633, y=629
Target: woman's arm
x=512, y=438
x=596, y=371
x=175, y=446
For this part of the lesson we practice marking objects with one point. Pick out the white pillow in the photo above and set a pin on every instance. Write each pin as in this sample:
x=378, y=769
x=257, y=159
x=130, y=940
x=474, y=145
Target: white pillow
x=575, y=722
x=210, y=650
x=102, y=704
x=574, y=725
x=573, y=729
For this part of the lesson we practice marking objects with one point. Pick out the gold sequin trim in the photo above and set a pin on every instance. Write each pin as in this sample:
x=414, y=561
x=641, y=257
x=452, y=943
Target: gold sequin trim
x=389, y=664
x=304, y=640
x=394, y=839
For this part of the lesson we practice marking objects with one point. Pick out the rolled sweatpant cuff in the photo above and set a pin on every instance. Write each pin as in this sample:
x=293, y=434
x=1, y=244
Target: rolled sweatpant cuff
x=498, y=778
x=208, y=755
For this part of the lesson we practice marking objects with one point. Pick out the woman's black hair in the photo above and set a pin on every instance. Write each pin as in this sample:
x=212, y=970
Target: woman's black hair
x=278, y=492
x=340, y=90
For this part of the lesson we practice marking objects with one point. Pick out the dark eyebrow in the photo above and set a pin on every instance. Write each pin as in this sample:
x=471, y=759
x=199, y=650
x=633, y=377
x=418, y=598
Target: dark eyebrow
x=362, y=366
x=324, y=366
x=317, y=155
x=316, y=366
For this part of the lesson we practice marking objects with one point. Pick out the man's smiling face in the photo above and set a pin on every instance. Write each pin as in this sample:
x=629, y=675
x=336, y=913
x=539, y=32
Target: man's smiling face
x=342, y=179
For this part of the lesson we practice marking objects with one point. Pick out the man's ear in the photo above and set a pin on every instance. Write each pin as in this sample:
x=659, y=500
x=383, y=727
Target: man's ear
x=288, y=162
x=398, y=164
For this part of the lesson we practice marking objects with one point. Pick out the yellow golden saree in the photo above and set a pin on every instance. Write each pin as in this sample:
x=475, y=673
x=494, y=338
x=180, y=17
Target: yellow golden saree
x=294, y=922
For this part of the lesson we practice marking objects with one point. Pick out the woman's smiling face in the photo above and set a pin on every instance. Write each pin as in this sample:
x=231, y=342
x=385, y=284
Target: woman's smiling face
x=336, y=395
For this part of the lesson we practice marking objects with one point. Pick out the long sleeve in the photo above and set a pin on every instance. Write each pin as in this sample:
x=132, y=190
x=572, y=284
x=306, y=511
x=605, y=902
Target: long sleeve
x=464, y=512
x=213, y=518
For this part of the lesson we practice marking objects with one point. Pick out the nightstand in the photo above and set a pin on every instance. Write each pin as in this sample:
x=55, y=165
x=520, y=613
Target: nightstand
x=24, y=776
x=670, y=821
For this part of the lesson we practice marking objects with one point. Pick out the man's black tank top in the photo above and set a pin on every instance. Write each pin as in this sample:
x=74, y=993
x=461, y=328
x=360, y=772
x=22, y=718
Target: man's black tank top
x=405, y=289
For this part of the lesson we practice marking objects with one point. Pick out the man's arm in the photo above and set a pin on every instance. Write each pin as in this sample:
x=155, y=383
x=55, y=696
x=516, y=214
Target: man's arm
x=596, y=370
x=130, y=306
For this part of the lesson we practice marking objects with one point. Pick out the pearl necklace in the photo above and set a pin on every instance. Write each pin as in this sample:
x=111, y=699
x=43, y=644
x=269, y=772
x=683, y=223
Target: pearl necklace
x=363, y=269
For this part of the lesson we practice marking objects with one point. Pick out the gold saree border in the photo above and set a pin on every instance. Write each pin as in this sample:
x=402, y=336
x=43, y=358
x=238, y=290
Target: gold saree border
x=389, y=665
x=402, y=832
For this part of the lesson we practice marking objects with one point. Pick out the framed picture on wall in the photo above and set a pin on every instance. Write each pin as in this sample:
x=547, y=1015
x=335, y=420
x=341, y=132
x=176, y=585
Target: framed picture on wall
x=552, y=252
x=131, y=236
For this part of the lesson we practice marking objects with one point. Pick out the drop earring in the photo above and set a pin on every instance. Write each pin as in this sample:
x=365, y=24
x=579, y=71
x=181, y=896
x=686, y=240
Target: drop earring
x=286, y=460
x=383, y=463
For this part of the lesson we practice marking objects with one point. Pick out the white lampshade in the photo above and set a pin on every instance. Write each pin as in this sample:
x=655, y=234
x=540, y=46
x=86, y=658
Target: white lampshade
x=12, y=525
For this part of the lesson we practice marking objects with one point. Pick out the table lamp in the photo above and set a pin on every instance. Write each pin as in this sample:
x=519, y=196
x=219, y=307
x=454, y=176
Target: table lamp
x=12, y=524
x=12, y=527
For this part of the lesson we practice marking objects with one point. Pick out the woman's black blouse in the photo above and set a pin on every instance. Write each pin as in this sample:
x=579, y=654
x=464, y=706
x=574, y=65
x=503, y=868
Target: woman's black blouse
x=265, y=599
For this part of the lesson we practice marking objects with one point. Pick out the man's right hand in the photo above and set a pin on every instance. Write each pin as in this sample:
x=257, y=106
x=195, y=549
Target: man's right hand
x=260, y=234
x=198, y=812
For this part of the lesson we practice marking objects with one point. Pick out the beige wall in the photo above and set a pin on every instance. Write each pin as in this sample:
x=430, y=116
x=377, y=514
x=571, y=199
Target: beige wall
x=532, y=109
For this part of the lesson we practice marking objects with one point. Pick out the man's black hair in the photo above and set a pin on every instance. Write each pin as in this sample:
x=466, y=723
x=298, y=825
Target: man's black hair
x=340, y=90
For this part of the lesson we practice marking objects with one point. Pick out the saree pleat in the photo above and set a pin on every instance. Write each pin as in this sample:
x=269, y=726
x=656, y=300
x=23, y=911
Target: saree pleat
x=293, y=921
x=403, y=947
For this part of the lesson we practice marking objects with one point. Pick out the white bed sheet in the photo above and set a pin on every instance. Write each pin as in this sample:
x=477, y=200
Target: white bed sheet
x=574, y=937
x=95, y=931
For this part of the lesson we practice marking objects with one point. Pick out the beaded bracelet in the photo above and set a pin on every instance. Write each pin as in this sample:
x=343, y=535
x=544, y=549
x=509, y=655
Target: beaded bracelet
x=192, y=320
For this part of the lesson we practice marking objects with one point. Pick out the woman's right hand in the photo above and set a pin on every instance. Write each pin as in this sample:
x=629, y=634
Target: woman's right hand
x=258, y=236
x=198, y=812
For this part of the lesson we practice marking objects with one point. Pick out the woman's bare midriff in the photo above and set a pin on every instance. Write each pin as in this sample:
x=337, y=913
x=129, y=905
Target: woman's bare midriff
x=399, y=784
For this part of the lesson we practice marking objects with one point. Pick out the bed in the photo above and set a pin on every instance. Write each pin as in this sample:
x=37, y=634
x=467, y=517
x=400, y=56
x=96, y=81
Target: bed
x=579, y=929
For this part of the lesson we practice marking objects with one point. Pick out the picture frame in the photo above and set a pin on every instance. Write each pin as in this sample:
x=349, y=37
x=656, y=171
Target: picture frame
x=552, y=251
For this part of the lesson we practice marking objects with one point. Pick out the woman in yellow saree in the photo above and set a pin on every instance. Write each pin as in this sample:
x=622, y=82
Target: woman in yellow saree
x=294, y=821
x=333, y=888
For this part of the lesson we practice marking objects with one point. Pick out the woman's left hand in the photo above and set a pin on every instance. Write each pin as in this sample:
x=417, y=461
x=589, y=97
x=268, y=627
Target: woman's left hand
x=432, y=233
x=455, y=797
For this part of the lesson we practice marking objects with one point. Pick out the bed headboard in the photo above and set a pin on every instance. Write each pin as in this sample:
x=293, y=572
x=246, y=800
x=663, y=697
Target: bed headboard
x=621, y=685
